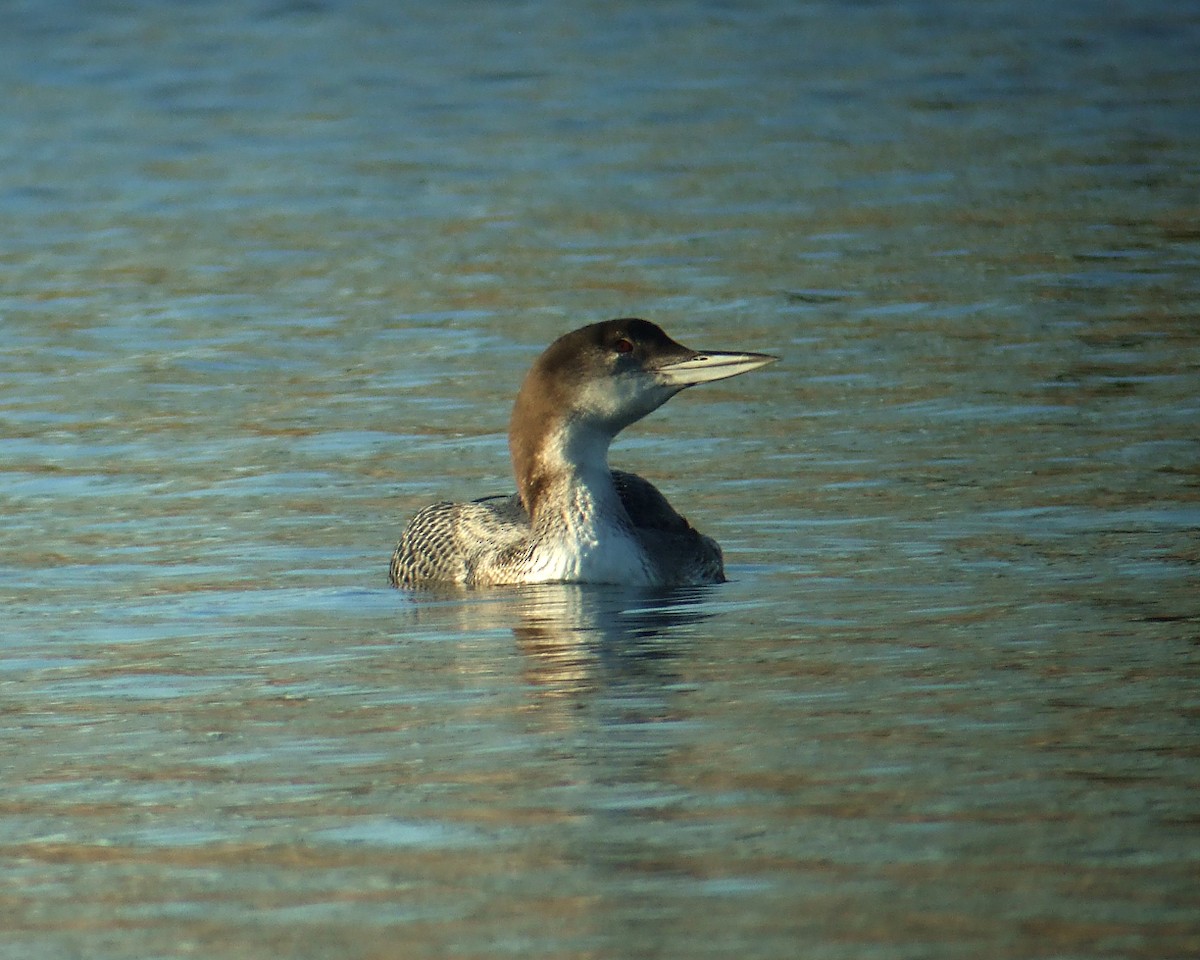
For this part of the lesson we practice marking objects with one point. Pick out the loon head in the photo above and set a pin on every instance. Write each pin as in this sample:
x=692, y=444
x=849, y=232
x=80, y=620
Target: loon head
x=591, y=383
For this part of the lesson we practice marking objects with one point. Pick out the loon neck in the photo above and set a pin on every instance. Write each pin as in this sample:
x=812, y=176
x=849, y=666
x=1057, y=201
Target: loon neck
x=579, y=529
x=560, y=455
x=563, y=475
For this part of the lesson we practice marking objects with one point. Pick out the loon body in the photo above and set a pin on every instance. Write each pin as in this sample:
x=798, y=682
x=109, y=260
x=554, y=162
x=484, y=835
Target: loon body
x=572, y=519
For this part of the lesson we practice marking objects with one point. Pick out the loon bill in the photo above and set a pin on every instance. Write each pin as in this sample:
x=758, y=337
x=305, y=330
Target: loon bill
x=572, y=519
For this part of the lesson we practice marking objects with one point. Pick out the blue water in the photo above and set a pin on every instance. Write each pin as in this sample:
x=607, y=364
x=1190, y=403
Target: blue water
x=271, y=274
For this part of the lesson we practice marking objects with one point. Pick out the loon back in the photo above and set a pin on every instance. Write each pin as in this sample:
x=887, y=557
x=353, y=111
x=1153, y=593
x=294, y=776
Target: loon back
x=489, y=542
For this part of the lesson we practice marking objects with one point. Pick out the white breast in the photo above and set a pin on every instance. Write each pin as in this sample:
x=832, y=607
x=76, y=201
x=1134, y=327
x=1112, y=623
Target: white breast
x=589, y=544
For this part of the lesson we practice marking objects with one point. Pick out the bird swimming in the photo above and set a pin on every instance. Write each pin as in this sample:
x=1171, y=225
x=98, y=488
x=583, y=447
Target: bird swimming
x=573, y=519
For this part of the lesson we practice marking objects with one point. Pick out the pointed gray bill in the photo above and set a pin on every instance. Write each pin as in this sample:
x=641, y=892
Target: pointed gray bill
x=705, y=367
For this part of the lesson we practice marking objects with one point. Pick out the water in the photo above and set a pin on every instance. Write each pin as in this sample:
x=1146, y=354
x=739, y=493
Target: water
x=271, y=274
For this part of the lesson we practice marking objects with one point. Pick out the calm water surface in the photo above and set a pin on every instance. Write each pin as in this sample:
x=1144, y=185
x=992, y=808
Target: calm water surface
x=271, y=273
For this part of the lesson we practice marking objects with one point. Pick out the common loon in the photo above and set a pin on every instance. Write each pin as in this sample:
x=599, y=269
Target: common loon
x=572, y=519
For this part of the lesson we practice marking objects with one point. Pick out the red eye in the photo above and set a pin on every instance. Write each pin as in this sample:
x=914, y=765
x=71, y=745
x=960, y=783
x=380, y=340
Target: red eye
x=623, y=346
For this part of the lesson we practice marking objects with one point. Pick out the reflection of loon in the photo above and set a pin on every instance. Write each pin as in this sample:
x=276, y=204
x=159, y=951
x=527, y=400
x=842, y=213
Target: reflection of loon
x=572, y=519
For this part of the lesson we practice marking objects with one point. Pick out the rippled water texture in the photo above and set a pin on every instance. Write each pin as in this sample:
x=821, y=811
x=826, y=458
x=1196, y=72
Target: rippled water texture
x=271, y=273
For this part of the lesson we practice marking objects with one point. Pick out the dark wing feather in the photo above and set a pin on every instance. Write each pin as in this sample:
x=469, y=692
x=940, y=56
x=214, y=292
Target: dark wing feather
x=646, y=506
x=679, y=552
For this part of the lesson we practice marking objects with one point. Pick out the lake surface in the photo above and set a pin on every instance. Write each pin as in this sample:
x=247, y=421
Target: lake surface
x=270, y=274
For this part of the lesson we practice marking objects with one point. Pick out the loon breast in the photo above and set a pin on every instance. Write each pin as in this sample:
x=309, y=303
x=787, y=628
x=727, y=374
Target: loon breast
x=583, y=536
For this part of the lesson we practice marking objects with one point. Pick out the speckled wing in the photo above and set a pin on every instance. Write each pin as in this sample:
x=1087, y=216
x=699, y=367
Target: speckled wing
x=444, y=542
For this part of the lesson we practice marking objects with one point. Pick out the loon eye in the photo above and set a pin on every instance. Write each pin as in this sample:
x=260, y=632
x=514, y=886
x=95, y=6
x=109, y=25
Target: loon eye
x=624, y=345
